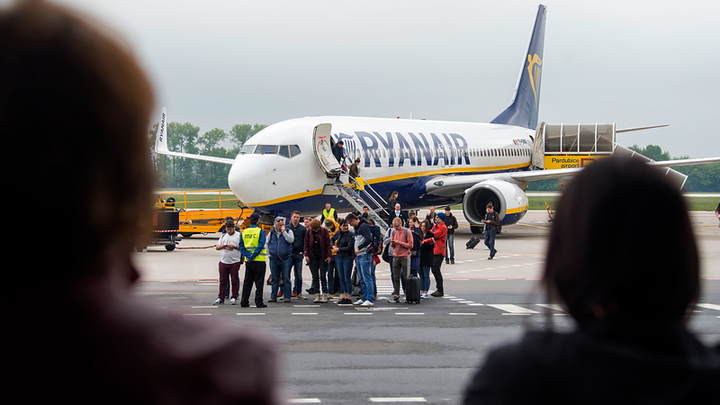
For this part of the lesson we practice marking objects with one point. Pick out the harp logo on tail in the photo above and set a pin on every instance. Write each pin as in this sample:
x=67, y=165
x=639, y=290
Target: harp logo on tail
x=534, y=71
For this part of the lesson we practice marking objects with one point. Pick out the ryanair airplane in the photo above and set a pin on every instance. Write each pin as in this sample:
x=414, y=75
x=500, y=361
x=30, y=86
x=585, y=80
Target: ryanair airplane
x=289, y=165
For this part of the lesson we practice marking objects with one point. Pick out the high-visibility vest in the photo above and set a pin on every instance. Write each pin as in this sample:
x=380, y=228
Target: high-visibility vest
x=329, y=214
x=251, y=238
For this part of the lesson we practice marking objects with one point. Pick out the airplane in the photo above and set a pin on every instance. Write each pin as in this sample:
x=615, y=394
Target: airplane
x=289, y=166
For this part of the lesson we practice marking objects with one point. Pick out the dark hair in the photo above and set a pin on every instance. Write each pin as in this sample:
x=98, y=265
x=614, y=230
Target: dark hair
x=351, y=217
x=621, y=238
x=94, y=103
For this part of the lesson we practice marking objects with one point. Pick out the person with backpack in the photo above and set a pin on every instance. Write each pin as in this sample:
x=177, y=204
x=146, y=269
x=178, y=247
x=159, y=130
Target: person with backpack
x=363, y=242
x=401, y=241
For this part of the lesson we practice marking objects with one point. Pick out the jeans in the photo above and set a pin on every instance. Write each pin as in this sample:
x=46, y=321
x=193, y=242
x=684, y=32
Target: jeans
x=425, y=278
x=450, y=246
x=318, y=270
x=297, y=266
x=344, y=269
x=332, y=274
x=280, y=268
x=365, y=268
x=414, y=265
x=490, y=240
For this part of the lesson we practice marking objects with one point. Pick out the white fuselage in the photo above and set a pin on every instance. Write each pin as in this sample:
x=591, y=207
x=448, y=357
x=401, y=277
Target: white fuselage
x=396, y=155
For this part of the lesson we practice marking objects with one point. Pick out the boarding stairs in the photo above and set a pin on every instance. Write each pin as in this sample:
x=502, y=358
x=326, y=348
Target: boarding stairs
x=359, y=194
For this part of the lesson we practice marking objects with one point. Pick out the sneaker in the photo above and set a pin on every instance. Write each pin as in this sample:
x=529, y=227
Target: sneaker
x=447, y=261
x=261, y=306
x=218, y=301
x=424, y=295
x=452, y=261
x=272, y=300
x=280, y=293
x=300, y=297
x=437, y=294
x=286, y=299
x=396, y=298
x=294, y=294
x=358, y=302
x=233, y=301
x=367, y=304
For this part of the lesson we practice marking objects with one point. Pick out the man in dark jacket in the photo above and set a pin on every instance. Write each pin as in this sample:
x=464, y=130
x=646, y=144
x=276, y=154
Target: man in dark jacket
x=298, y=231
x=452, y=225
x=492, y=223
x=398, y=213
x=280, y=248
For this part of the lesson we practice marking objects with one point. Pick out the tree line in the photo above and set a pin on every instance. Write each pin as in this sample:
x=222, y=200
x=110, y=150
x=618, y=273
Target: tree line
x=175, y=172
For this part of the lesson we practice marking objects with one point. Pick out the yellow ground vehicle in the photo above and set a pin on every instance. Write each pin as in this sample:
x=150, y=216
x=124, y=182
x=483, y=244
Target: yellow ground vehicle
x=205, y=211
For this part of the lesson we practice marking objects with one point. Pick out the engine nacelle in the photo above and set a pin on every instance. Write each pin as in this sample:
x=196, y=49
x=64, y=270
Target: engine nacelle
x=508, y=200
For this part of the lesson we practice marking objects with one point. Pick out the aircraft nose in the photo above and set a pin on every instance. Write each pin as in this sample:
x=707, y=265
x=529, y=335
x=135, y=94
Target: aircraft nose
x=247, y=178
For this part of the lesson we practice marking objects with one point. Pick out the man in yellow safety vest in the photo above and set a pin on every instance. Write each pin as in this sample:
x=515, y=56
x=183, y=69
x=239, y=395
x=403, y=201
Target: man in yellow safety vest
x=329, y=212
x=252, y=246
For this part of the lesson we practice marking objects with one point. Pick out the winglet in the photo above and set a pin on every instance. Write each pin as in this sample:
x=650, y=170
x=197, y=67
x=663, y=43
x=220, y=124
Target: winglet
x=523, y=111
x=161, y=136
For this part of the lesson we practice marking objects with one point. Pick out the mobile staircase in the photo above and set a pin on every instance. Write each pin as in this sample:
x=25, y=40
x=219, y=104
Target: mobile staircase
x=359, y=194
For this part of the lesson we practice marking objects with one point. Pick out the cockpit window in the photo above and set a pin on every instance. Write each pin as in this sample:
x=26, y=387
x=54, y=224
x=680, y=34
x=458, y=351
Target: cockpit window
x=247, y=149
x=288, y=151
x=283, y=151
x=266, y=150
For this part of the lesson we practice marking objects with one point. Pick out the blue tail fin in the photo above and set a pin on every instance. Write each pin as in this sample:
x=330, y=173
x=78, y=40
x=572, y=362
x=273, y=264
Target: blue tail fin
x=523, y=111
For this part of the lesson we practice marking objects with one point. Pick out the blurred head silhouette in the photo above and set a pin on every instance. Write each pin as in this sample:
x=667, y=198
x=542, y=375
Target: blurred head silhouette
x=622, y=240
x=75, y=94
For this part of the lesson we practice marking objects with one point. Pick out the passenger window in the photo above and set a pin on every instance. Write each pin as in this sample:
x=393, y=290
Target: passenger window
x=284, y=151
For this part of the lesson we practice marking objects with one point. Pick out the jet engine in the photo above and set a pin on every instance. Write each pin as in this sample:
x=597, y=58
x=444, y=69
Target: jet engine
x=508, y=200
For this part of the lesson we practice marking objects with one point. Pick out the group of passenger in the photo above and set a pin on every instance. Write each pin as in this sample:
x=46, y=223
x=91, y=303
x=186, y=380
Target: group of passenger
x=103, y=343
x=331, y=250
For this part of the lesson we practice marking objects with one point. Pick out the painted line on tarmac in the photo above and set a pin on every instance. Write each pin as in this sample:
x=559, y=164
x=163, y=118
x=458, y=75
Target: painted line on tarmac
x=398, y=399
x=709, y=306
x=249, y=313
x=511, y=309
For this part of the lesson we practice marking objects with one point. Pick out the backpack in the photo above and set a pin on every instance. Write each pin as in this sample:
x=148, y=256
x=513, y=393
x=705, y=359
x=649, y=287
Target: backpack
x=377, y=240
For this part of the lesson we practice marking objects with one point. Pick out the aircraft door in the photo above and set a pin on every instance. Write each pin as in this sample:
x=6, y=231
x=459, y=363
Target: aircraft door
x=323, y=150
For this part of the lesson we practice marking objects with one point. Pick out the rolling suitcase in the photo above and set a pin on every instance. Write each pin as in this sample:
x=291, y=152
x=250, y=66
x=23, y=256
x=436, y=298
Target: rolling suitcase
x=412, y=289
x=472, y=242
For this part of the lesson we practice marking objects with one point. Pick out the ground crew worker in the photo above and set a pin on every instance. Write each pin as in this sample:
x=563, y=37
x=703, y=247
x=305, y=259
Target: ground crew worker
x=329, y=212
x=253, y=248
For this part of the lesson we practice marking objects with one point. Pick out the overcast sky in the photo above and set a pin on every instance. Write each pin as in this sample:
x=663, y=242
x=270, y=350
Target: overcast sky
x=226, y=62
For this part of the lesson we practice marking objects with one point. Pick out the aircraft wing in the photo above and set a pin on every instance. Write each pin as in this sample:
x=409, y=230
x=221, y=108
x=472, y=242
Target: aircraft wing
x=448, y=186
x=162, y=148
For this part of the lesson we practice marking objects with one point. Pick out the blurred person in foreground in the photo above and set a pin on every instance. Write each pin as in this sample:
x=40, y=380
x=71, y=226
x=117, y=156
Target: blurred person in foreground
x=74, y=93
x=629, y=289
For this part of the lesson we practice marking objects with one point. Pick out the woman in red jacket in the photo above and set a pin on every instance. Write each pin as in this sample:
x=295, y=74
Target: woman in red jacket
x=440, y=233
